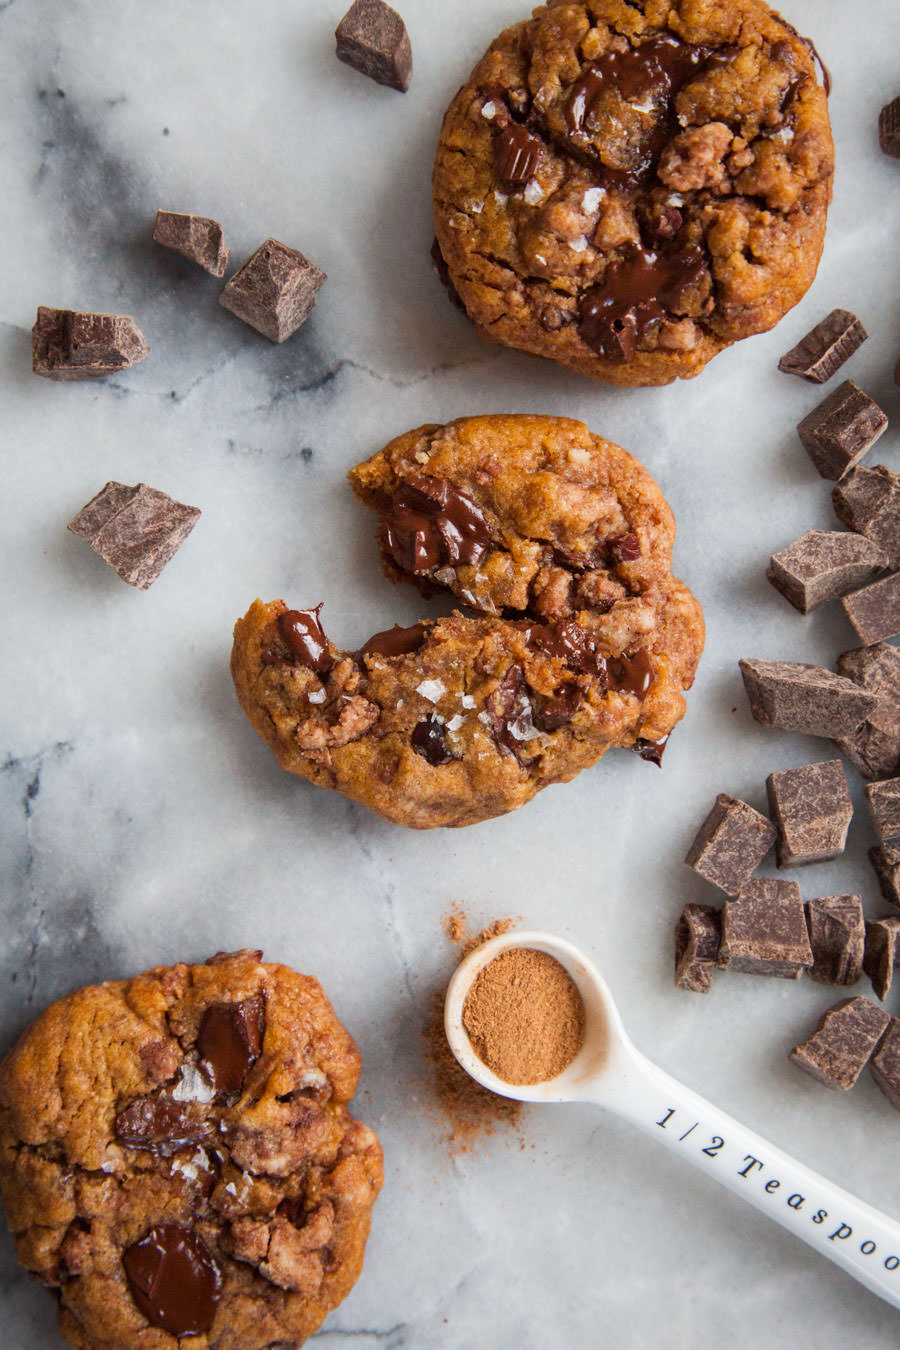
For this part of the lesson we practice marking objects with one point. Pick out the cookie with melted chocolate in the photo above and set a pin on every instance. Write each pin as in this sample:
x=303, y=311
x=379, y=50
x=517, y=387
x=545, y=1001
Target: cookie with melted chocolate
x=629, y=189
x=576, y=636
x=177, y=1157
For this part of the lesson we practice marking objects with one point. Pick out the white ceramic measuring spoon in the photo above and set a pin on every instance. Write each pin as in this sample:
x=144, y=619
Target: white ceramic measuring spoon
x=610, y=1072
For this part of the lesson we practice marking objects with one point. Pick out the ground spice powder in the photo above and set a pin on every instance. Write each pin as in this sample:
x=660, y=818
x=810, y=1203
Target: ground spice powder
x=524, y=1016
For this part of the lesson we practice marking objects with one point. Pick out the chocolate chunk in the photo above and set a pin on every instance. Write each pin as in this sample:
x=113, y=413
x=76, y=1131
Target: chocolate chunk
x=429, y=739
x=161, y=1125
x=884, y=803
x=651, y=751
x=764, y=931
x=730, y=844
x=635, y=295
x=812, y=810
x=429, y=523
x=868, y=500
x=822, y=565
x=305, y=638
x=511, y=714
x=843, y=1042
x=799, y=697
x=274, y=291
x=230, y=1041
x=630, y=674
x=841, y=430
x=137, y=530
x=874, y=747
x=396, y=641
x=889, y=128
x=372, y=38
x=697, y=936
x=881, y=953
x=625, y=549
x=174, y=1280
x=558, y=711
x=837, y=936
x=885, y=1064
x=825, y=348
x=196, y=238
x=875, y=610
x=68, y=344
x=886, y=862
x=517, y=153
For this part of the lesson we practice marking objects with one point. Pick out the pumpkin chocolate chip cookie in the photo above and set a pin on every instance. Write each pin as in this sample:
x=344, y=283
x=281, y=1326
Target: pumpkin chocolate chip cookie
x=177, y=1159
x=629, y=187
x=582, y=639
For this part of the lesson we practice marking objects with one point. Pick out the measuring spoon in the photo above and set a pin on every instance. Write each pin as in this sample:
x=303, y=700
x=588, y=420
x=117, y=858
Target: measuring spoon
x=610, y=1072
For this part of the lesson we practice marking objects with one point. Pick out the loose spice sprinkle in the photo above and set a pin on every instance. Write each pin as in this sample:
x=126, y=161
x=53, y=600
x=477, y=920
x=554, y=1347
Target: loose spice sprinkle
x=524, y=1016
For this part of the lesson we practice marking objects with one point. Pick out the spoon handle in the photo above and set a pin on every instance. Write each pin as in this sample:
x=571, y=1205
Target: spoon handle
x=853, y=1234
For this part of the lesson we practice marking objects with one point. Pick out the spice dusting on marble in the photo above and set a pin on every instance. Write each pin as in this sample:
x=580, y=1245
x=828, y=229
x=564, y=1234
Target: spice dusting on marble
x=524, y=1016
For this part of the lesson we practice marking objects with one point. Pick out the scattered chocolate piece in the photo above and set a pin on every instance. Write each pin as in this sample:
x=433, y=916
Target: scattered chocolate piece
x=886, y=861
x=429, y=522
x=874, y=747
x=511, y=714
x=885, y=1064
x=196, y=238
x=884, y=803
x=173, y=1279
x=697, y=936
x=875, y=610
x=160, y=1124
x=841, y=430
x=837, y=935
x=881, y=953
x=68, y=344
x=822, y=565
x=825, y=348
x=730, y=844
x=799, y=697
x=304, y=636
x=137, y=530
x=395, y=641
x=843, y=1042
x=764, y=931
x=812, y=809
x=230, y=1041
x=651, y=751
x=429, y=739
x=868, y=500
x=517, y=153
x=372, y=38
x=889, y=128
x=274, y=291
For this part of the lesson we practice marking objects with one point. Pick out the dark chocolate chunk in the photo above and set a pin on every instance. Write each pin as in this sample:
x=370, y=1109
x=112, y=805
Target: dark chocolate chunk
x=511, y=714
x=881, y=953
x=875, y=610
x=825, y=348
x=173, y=1279
x=886, y=862
x=730, y=844
x=429, y=739
x=799, y=697
x=626, y=548
x=517, y=153
x=430, y=523
x=68, y=344
x=874, y=748
x=697, y=936
x=633, y=298
x=840, y=1047
x=889, y=128
x=137, y=530
x=884, y=803
x=161, y=1125
x=302, y=632
x=764, y=931
x=651, y=751
x=822, y=565
x=841, y=430
x=274, y=291
x=372, y=38
x=230, y=1041
x=196, y=238
x=837, y=936
x=885, y=1064
x=552, y=713
x=812, y=810
x=868, y=500
x=395, y=641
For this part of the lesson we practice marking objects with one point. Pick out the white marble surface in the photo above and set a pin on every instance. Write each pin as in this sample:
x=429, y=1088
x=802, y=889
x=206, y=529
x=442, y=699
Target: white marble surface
x=142, y=821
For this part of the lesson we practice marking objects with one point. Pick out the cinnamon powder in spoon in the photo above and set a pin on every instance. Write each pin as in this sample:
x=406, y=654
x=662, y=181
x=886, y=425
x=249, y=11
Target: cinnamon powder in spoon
x=524, y=1016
